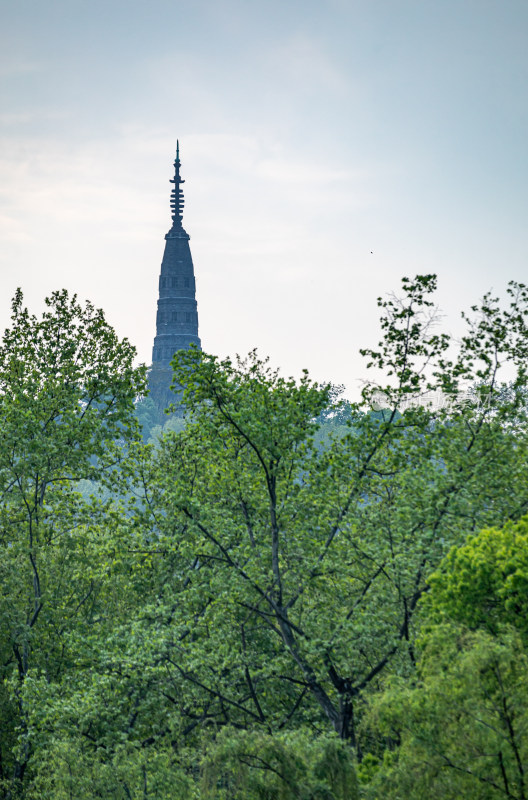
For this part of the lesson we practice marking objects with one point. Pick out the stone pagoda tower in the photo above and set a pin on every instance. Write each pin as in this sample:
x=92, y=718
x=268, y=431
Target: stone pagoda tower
x=177, y=317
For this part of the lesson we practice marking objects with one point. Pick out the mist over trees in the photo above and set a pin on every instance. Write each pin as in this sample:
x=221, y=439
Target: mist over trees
x=277, y=595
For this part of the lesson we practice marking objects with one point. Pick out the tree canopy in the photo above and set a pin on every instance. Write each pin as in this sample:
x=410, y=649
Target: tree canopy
x=229, y=616
x=67, y=391
x=462, y=723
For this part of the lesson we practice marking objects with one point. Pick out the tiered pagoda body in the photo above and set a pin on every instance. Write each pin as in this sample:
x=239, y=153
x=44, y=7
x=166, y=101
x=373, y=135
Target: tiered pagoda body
x=177, y=316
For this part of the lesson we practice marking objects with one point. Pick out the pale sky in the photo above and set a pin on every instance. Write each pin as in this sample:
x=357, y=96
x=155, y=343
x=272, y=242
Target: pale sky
x=329, y=147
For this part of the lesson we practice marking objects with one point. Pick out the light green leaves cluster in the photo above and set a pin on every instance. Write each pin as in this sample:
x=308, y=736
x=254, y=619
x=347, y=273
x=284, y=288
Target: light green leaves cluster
x=484, y=583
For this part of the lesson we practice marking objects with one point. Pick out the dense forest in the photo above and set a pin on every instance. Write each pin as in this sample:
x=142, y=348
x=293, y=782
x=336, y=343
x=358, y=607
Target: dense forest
x=275, y=594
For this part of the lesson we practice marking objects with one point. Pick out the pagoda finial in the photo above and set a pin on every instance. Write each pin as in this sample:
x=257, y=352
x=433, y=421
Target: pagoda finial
x=177, y=200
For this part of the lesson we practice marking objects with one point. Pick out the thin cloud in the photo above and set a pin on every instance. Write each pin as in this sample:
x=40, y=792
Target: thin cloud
x=12, y=66
x=301, y=60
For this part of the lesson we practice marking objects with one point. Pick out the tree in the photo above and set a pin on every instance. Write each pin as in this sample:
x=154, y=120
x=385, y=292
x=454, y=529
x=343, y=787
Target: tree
x=483, y=584
x=67, y=387
x=257, y=766
x=291, y=572
x=462, y=725
x=255, y=580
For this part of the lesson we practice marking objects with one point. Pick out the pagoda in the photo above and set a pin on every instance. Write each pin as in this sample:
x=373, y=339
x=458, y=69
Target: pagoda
x=177, y=315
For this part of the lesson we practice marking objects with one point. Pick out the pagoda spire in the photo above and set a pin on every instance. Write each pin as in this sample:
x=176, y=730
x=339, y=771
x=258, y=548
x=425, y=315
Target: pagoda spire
x=177, y=314
x=177, y=201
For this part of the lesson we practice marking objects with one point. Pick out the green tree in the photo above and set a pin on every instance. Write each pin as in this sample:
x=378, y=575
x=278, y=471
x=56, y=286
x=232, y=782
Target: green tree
x=291, y=572
x=67, y=388
x=484, y=583
x=243, y=765
x=462, y=726
x=258, y=581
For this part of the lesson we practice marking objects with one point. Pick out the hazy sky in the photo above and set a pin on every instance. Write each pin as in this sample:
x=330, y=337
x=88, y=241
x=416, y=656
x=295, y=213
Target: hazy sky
x=329, y=147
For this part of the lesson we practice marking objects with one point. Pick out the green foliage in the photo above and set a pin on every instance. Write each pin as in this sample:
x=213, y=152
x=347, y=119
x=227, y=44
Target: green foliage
x=484, y=583
x=462, y=727
x=72, y=770
x=246, y=581
x=148, y=416
x=154, y=423
x=67, y=387
x=298, y=568
x=256, y=766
